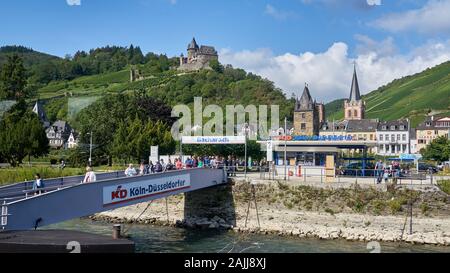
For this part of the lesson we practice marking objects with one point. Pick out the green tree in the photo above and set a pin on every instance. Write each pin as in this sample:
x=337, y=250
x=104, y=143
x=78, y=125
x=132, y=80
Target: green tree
x=13, y=78
x=438, y=149
x=21, y=135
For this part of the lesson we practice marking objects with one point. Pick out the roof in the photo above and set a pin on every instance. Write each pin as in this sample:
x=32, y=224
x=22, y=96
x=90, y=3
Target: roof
x=305, y=103
x=430, y=123
x=396, y=123
x=39, y=110
x=209, y=50
x=193, y=44
x=354, y=91
x=62, y=126
x=363, y=125
x=339, y=126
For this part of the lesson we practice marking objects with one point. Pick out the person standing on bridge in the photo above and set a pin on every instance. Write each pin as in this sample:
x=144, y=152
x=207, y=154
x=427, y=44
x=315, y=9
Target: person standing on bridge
x=38, y=184
x=142, y=169
x=90, y=175
x=130, y=171
x=178, y=164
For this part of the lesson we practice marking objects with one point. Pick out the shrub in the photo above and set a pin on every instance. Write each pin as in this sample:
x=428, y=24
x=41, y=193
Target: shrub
x=395, y=205
x=444, y=185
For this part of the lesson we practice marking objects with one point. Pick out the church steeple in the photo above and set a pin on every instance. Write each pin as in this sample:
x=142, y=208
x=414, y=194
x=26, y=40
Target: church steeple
x=354, y=91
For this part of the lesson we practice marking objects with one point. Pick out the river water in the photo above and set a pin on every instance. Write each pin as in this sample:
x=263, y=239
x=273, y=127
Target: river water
x=159, y=239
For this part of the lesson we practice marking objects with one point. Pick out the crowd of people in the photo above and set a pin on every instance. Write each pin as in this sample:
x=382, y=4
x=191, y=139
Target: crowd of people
x=230, y=163
x=383, y=171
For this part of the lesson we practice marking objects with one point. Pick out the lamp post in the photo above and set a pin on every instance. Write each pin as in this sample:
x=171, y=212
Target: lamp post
x=90, y=149
x=285, y=148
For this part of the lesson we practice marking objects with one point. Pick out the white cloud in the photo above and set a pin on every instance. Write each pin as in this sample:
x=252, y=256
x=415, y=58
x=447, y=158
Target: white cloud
x=73, y=2
x=277, y=14
x=433, y=17
x=382, y=48
x=329, y=73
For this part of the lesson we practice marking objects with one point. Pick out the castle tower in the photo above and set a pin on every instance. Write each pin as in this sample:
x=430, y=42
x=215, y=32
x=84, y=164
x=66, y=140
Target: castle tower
x=354, y=107
x=306, y=115
x=192, y=49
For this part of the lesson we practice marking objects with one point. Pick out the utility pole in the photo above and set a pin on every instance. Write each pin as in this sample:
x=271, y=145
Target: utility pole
x=90, y=151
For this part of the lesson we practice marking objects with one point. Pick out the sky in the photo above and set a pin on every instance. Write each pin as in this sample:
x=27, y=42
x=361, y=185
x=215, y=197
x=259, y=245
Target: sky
x=289, y=42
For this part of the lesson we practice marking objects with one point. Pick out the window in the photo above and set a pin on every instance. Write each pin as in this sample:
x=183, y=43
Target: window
x=398, y=136
x=384, y=128
x=381, y=137
x=303, y=115
x=402, y=127
x=387, y=137
x=349, y=113
x=356, y=113
x=404, y=137
x=381, y=148
x=303, y=126
x=393, y=128
x=371, y=136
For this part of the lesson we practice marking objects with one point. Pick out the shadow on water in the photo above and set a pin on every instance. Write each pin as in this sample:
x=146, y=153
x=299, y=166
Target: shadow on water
x=211, y=202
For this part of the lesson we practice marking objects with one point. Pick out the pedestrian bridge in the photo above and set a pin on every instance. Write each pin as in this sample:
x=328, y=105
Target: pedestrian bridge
x=66, y=198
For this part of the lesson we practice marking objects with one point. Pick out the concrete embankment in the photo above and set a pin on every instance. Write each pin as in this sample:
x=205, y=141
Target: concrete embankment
x=352, y=213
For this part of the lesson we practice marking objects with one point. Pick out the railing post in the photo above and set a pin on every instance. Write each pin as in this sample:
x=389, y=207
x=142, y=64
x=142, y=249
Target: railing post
x=4, y=215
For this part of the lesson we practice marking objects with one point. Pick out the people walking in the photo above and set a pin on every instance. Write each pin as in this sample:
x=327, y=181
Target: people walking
x=142, y=169
x=90, y=175
x=178, y=164
x=130, y=171
x=158, y=167
x=379, y=171
x=38, y=184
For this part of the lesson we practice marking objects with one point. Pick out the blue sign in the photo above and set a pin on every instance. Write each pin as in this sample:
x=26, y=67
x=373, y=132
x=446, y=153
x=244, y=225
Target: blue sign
x=322, y=138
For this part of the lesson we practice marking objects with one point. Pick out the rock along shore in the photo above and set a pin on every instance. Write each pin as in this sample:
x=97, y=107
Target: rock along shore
x=277, y=216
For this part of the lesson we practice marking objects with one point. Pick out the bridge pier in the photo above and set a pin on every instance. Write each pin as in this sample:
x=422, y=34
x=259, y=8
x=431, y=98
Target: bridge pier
x=210, y=206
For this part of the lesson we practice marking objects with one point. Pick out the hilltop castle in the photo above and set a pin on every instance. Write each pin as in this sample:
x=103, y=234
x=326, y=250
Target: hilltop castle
x=197, y=57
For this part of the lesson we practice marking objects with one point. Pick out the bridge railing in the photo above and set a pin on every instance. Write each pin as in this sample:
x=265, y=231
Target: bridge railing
x=18, y=190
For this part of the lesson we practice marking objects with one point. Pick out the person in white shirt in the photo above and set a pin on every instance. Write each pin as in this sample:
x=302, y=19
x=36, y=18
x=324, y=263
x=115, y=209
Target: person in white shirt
x=90, y=176
x=130, y=171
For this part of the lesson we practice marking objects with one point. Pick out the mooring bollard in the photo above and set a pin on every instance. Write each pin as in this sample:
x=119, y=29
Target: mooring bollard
x=116, y=231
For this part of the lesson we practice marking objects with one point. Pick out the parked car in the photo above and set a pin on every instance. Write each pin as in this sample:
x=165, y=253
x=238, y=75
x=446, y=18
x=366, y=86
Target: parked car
x=355, y=169
x=427, y=167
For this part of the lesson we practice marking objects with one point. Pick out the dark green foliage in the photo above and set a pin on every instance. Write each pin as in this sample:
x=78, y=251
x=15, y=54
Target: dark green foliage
x=13, y=79
x=438, y=149
x=21, y=135
x=133, y=139
x=127, y=120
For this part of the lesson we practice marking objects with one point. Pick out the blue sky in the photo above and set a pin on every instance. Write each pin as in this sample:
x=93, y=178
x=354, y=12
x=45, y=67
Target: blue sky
x=301, y=38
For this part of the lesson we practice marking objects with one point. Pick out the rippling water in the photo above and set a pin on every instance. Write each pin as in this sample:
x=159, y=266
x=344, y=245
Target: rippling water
x=169, y=239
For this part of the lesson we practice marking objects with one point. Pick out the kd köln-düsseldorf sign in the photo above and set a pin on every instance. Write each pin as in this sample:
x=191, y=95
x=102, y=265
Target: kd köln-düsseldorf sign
x=127, y=192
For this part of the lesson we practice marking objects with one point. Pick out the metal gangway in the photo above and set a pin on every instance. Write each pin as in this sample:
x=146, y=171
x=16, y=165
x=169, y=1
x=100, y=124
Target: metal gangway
x=67, y=198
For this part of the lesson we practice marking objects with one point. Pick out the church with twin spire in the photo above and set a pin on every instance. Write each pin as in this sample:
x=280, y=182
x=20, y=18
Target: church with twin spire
x=309, y=116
